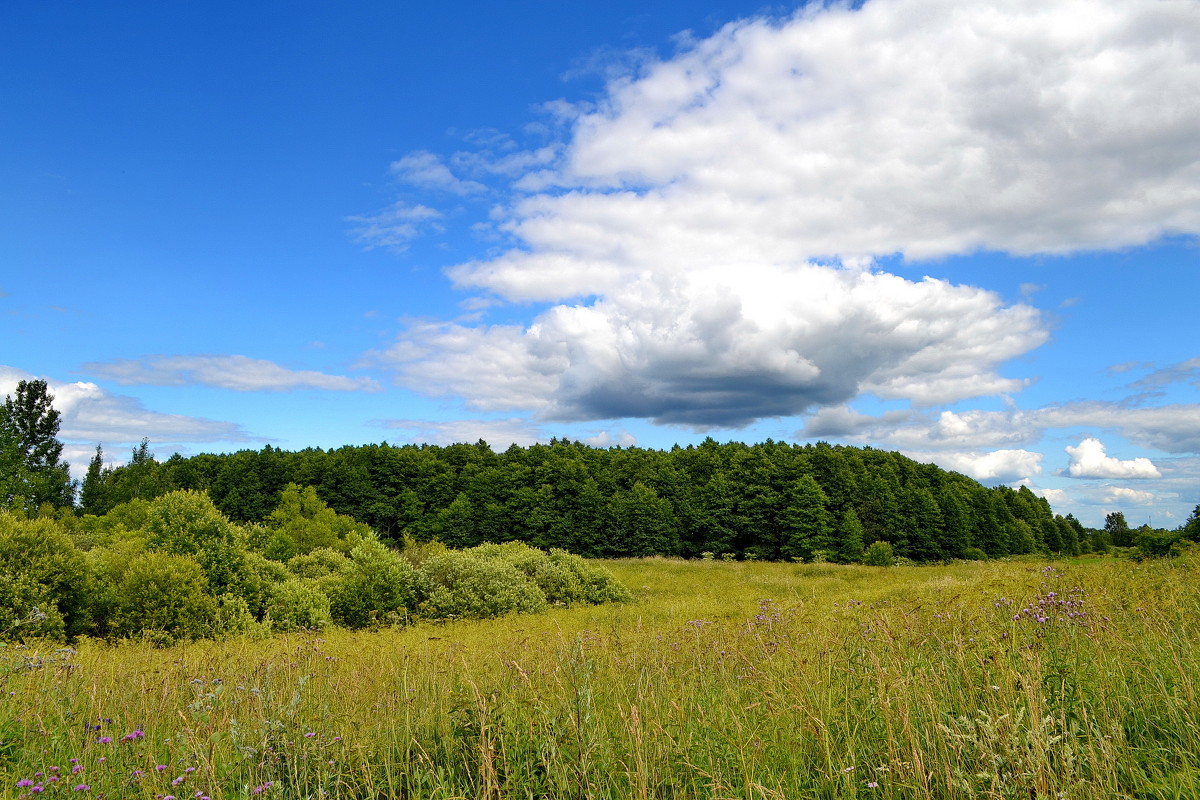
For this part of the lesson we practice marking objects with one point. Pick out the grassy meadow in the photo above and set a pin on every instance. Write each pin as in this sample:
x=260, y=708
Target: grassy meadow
x=749, y=680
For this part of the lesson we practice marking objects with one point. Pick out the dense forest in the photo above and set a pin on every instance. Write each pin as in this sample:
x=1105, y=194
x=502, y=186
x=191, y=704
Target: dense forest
x=772, y=500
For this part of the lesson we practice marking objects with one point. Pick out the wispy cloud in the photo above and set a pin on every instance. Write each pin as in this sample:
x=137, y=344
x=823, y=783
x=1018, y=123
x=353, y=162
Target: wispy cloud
x=395, y=226
x=235, y=372
x=426, y=170
x=90, y=413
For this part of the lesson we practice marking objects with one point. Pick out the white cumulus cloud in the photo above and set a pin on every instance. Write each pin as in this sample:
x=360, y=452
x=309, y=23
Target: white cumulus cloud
x=1089, y=460
x=705, y=232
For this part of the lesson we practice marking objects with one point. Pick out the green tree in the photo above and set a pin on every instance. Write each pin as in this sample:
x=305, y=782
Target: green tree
x=850, y=537
x=31, y=450
x=807, y=526
x=1118, y=530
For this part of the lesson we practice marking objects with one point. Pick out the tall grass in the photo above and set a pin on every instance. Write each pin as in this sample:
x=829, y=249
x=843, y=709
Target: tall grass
x=724, y=680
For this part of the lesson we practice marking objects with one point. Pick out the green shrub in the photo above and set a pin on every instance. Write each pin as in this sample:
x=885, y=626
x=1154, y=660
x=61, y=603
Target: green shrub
x=379, y=587
x=40, y=552
x=974, y=554
x=27, y=611
x=233, y=617
x=165, y=596
x=598, y=584
x=879, y=554
x=257, y=580
x=318, y=564
x=466, y=584
x=303, y=522
x=186, y=523
x=298, y=604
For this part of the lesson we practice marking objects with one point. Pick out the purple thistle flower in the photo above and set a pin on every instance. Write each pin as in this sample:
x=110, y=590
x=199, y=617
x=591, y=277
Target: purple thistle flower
x=83, y=787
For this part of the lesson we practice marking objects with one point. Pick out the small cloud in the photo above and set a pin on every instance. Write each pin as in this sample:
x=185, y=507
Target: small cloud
x=1054, y=496
x=239, y=373
x=424, y=169
x=1007, y=466
x=1028, y=290
x=498, y=433
x=395, y=226
x=1089, y=460
x=1118, y=495
x=605, y=439
x=1184, y=372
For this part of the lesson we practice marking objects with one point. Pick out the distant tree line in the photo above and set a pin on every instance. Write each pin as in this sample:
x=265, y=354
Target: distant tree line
x=771, y=501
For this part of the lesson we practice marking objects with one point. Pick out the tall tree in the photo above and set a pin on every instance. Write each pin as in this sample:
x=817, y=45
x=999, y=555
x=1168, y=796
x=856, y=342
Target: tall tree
x=807, y=523
x=1117, y=529
x=29, y=436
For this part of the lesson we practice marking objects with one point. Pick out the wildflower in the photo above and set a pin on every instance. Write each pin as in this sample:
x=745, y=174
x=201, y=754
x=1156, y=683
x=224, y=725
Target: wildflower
x=160, y=767
x=309, y=735
x=78, y=768
x=21, y=784
x=101, y=759
x=83, y=787
x=177, y=781
x=129, y=737
x=873, y=785
x=190, y=770
x=105, y=740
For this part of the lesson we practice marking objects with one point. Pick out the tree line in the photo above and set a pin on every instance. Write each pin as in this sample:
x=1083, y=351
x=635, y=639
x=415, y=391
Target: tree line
x=772, y=501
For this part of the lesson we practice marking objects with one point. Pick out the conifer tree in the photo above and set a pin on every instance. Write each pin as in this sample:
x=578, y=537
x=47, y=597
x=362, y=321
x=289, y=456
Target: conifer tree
x=31, y=449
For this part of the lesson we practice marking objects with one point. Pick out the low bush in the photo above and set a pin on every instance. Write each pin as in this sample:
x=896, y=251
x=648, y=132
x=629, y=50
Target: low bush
x=470, y=584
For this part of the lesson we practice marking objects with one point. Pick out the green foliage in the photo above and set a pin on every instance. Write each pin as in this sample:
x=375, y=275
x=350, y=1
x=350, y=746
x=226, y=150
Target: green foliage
x=27, y=610
x=186, y=523
x=320, y=563
x=974, y=554
x=379, y=587
x=298, y=605
x=470, y=584
x=302, y=522
x=850, y=537
x=879, y=554
x=1117, y=529
x=38, y=552
x=31, y=470
x=165, y=597
x=563, y=578
x=805, y=521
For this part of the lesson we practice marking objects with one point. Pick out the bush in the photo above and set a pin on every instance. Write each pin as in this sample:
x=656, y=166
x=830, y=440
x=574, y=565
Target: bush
x=38, y=551
x=165, y=596
x=296, y=605
x=879, y=554
x=318, y=564
x=27, y=611
x=974, y=554
x=468, y=584
x=186, y=523
x=378, y=587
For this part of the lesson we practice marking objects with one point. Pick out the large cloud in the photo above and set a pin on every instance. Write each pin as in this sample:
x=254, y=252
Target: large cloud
x=717, y=348
x=678, y=230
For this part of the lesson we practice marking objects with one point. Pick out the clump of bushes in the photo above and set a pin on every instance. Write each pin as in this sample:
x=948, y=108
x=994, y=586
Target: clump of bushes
x=176, y=568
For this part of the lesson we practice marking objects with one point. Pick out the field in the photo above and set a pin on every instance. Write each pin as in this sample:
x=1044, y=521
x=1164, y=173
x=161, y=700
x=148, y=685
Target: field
x=1016, y=679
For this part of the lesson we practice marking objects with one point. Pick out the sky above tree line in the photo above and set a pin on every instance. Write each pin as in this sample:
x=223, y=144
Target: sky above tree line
x=964, y=231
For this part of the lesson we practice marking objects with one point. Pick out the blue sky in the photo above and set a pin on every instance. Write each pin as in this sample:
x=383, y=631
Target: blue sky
x=967, y=232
